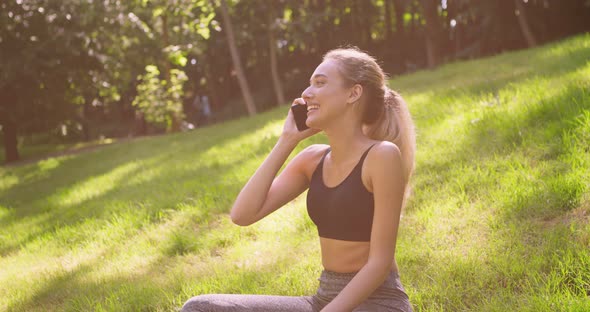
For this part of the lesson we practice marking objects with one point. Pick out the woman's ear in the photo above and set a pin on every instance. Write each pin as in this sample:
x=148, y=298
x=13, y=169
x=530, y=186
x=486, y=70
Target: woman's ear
x=355, y=93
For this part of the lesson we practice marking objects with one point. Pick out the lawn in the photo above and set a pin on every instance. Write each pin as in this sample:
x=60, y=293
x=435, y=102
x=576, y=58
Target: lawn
x=499, y=219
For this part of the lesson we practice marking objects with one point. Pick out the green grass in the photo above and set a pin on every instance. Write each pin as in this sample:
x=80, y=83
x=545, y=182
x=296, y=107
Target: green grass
x=31, y=152
x=498, y=220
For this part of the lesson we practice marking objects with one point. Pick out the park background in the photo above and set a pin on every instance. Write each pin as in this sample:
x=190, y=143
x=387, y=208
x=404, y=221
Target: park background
x=118, y=178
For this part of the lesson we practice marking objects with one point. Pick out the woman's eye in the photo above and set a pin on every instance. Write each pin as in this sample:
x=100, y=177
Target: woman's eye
x=320, y=83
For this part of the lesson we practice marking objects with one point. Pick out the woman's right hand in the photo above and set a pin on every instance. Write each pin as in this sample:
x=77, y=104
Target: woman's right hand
x=290, y=131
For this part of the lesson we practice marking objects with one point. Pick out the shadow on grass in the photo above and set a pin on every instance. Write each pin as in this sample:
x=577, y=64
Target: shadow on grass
x=197, y=182
x=149, y=290
x=42, y=180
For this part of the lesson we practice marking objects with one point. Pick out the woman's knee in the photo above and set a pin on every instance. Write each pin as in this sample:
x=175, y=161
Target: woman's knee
x=200, y=303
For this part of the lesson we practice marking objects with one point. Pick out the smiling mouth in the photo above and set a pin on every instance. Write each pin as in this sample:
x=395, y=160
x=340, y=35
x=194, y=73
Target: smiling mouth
x=312, y=107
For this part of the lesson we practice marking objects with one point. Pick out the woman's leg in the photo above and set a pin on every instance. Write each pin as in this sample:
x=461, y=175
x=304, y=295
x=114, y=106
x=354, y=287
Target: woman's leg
x=249, y=302
x=390, y=296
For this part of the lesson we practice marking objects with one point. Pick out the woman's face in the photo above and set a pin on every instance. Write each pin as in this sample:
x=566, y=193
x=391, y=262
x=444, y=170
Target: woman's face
x=326, y=96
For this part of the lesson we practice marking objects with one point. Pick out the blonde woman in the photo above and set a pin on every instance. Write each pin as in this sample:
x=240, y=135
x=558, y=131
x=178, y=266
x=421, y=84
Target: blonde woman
x=358, y=186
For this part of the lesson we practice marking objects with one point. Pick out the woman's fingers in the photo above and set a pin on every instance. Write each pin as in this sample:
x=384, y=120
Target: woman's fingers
x=299, y=101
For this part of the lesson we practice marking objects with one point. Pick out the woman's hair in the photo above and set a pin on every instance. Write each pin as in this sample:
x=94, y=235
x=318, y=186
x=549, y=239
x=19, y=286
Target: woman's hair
x=384, y=111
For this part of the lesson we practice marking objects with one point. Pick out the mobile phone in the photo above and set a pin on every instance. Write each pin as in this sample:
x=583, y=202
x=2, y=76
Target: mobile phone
x=300, y=115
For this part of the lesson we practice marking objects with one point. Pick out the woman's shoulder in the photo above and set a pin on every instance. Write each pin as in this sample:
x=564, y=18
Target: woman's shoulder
x=310, y=157
x=315, y=149
x=385, y=146
x=314, y=152
x=382, y=153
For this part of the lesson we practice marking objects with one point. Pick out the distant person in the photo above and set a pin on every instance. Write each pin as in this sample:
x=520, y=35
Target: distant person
x=201, y=104
x=358, y=186
x=197, y=102
x=205, y=109
x=197, y=106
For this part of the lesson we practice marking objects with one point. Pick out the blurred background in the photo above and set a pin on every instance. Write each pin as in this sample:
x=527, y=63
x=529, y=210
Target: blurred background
x=75, y=71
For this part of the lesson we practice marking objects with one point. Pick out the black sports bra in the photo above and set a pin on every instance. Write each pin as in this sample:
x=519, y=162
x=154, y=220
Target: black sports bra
x=343, y=212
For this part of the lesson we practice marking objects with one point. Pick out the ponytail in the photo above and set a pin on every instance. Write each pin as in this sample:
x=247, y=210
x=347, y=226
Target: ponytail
x=386, y=116
x=395, y=125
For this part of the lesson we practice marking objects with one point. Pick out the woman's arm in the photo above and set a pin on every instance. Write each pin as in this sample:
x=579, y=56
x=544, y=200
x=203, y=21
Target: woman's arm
x=264, y=194
x=249, y=202
x=388, y=190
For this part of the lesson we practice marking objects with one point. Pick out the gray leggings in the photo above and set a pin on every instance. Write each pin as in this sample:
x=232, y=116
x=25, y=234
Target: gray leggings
x=389, y=296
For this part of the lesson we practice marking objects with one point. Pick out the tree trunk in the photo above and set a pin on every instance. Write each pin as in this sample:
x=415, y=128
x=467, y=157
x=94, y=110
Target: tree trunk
x=212, y=83
x=412, y=11
x=236, y=59
x=175, y=125
x=367, y=10
x=458, y=37
x=430, y=54
x=359, y=24
x=399, y=8
x=432, y=24
x=388, y=25
x=524, y=25
x=140, y=124
x=83, y=119
x=9, y=130
x=276, y=80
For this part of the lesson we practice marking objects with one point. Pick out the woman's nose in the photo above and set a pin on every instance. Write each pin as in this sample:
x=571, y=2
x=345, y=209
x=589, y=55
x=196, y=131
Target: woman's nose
x=306, y=95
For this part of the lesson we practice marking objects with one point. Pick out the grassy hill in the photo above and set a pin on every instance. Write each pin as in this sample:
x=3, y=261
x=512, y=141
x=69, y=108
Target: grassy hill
x=499, y=219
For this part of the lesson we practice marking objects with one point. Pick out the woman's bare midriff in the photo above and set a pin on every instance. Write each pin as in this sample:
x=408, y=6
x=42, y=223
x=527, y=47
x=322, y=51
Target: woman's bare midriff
x=345, y=256
x=340, y=255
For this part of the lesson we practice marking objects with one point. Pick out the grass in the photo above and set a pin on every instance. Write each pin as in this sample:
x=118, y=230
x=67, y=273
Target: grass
x=29, y=152
x=499, y=219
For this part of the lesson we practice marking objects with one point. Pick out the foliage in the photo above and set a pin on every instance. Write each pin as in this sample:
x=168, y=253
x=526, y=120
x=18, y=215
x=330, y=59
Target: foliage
x=160, y=100
x=73, y=63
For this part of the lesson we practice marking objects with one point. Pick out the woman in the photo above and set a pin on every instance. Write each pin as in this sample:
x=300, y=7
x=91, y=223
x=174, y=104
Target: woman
x=358, y=185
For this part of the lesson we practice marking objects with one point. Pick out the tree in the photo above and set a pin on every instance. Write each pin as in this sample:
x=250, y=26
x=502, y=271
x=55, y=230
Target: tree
x=44, y=47
x=524, y=24
x=227, y=26
x=61, y=69
x=160, y=100
x=433, y=24
x=276, y=79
